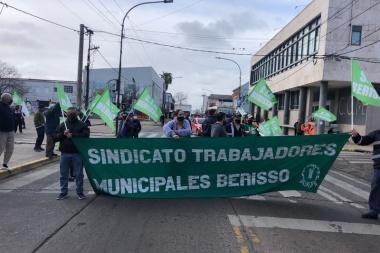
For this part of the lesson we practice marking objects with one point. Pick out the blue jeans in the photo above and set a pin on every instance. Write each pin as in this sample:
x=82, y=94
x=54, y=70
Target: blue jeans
x=374, y=195
x=68, y=159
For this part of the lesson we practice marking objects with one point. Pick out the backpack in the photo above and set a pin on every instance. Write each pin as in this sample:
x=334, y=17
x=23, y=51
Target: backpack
x=206, y=128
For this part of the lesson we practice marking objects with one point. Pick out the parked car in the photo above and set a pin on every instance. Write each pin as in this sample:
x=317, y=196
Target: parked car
x=196, y=126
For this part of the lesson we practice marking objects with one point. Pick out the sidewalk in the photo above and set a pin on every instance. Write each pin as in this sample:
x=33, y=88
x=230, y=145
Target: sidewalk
x=24, y=158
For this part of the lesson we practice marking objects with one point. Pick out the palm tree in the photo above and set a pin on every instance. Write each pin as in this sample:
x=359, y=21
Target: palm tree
x=168, y=78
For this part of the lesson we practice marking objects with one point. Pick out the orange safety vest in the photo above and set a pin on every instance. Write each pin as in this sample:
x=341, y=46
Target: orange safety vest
x=309, y=129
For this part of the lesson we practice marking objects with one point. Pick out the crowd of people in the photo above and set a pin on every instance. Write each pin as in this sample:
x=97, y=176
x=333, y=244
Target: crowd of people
x=215, y=125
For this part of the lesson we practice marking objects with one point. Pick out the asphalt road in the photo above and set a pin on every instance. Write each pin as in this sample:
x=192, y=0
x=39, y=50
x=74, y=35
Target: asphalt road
x=327, y=221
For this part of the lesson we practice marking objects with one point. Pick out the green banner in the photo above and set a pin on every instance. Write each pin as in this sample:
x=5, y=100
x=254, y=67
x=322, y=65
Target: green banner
x=262, y=96
x=148, y=106
x=362, y=88
x=16, y=99
x=323, y=114
x=105, y=109
x=198, y=167
x=270, y=127
x=64, y=101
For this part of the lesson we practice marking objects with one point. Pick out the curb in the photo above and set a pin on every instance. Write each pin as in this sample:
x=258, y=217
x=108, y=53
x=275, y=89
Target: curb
x=27, y=166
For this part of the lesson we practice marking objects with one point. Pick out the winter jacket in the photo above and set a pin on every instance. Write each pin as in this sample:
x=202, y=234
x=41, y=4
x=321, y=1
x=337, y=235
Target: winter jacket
x=52, y=119
x=232, y=131
x=6, y=118
x=371, y=138
x=78, y=128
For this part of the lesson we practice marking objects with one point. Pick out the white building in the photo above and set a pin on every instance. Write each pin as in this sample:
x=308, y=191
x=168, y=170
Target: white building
x=307, y=65
x=45, y=91
x=133, y=82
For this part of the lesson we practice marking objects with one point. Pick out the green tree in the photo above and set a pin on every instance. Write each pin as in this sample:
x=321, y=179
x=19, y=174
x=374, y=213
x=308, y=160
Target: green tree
x=168, y=78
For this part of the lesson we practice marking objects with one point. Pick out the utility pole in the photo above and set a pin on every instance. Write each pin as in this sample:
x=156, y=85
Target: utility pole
x=80, y=66
x=90, y=33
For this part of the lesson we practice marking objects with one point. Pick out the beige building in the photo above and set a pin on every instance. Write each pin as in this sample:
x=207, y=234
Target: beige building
x=307, y=64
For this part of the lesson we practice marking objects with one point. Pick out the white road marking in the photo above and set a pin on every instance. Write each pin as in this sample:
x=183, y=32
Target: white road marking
x=288, y=194
x=329, y=197
x=352, y=179
x=26, y=179
x=347, y=187
x=306, y=225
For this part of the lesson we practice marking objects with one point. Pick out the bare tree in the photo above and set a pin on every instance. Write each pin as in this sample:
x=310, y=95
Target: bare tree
x=10, y=80
x=180, y=98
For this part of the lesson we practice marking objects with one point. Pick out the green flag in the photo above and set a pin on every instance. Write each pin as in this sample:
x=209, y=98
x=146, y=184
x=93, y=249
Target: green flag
x=362, y=88
x=323, y=114
x=105, y=110
x=16, y=99
x=94, y=102
x=64, y=101
x=146, y=104
x=262, y=96
x=270, y=127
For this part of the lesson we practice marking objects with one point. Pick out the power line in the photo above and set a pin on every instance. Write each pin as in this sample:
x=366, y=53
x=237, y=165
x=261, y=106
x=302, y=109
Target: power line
x=35, y=16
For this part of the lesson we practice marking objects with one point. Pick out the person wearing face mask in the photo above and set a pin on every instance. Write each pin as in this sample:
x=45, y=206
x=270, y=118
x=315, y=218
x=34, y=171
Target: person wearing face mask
x=178, y=127
x=7, y=139
x=65, y=132
x=235, y=129
x=126, y=127
x=137, y=127
x=250, y=129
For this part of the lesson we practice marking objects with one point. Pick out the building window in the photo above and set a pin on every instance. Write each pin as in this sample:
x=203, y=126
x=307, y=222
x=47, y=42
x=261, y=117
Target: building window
x=356, y=36
x=294, y=99
x=293, y=51
x=55, y=89
x=281, y=102
x=68, y=89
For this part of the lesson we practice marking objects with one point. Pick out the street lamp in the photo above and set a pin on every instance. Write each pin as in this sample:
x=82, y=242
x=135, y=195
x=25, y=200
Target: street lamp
x=121, y=51
x=239, y=71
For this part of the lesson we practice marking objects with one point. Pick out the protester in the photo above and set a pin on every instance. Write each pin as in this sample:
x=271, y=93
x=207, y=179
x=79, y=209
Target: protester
x=52, y=122
x=7, y=140
x=178, y=127
x=298, y=127
x=126, y=126
x=17, y=118
x=22, y=118
x=72, y=128
x=235, y=129
x=374, y=196
x=137, y=127
x=309, y=128
x=188, y=119
x=207, y=123
x=39, y=124
x=217, y=129
x=229, y=119
x=162, y=120
x=250, y=129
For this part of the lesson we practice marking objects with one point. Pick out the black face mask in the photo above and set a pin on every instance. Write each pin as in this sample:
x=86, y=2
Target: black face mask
x=237, y=121
x=73, y=118
x=10, y=102
x=250, y=122
x=180, y=118
x=124, y=117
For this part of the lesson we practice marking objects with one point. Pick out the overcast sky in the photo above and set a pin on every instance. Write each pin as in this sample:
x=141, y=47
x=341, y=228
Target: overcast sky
x=43, y=50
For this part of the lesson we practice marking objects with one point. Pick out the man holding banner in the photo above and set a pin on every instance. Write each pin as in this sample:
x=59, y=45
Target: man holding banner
x=374, y=196
x=65, y=133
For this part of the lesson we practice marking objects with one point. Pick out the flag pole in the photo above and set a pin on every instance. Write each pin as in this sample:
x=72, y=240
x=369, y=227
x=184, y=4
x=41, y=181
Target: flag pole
x=352, y=100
